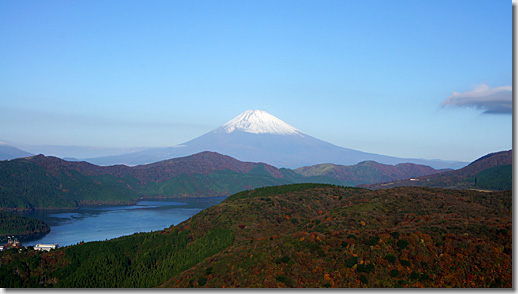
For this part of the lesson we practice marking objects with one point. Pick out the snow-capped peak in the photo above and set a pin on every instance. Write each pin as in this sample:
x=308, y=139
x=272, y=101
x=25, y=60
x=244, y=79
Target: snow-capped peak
x=258, y=122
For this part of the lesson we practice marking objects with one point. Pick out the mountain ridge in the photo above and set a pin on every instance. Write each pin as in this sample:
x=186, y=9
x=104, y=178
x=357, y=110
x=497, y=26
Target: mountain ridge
x=368, y=172
x=47, y=182
x=463, y=178
x=41, y=182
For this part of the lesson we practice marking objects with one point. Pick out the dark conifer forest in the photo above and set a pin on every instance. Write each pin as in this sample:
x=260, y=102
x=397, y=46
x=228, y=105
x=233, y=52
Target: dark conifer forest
x=13, y=224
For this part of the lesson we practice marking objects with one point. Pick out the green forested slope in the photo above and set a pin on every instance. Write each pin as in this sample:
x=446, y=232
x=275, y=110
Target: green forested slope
x=219, y=183
x=25, y=185
x=495, y=178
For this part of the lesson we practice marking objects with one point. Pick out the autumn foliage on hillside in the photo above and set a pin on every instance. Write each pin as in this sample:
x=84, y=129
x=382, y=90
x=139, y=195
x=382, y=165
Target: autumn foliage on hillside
x=304, y=235
x=343, y=237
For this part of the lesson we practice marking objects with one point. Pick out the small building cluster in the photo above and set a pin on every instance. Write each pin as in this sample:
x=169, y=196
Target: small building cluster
x=11, y=243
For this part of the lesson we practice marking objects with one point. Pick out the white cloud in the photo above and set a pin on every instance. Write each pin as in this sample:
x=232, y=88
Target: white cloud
x=497, y=100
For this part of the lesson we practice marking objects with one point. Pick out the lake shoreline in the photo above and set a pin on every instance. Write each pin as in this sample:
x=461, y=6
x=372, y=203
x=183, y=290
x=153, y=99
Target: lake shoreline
x=102, y=203
x=102, y=222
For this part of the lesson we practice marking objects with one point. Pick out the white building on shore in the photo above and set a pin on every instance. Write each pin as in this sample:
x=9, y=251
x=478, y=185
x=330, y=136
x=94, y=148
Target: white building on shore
x=45, y=247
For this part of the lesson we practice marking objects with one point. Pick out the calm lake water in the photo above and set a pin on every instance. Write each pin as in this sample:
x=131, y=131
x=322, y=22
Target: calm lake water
x=108, y=222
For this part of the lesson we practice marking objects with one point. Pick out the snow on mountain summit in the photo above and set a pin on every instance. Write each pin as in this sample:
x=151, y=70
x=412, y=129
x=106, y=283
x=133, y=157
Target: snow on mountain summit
x=258, y=122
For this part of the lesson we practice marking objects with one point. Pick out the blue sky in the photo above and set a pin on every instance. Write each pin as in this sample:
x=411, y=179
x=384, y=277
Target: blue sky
x=376, y=76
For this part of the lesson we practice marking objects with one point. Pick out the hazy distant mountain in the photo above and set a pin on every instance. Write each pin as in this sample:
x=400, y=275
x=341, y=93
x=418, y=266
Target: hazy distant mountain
x=10, y=152
x=367, y=172
x=75, y=152
x=257, y=136
x=490, y=172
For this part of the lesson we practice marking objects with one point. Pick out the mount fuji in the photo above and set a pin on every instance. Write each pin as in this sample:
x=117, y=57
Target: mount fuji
x=258, y=136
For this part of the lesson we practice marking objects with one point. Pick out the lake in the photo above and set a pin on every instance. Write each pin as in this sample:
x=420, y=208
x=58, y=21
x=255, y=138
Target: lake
x=108, y=222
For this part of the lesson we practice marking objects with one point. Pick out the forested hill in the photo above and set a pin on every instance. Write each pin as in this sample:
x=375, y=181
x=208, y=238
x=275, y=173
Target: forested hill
x=42, y=182
x=368, y=172
x=304, y=235
x=12, y=224
x=490, y=172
